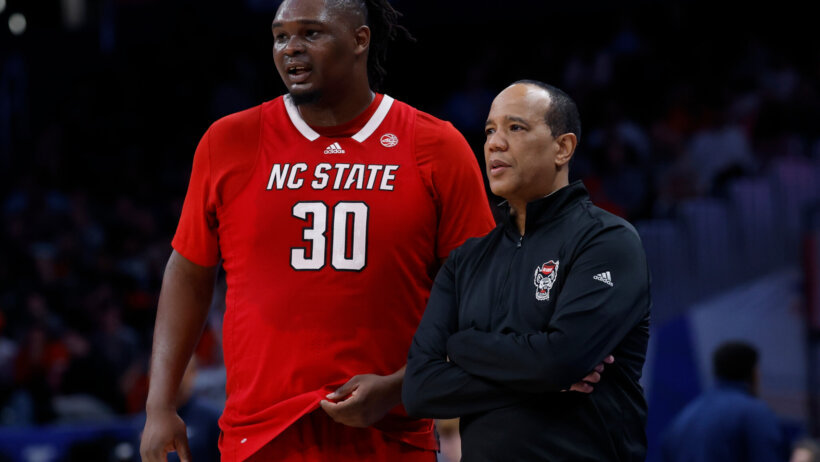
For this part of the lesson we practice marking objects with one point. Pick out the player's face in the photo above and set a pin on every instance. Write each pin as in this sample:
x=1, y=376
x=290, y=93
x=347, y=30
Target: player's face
x=314, y=49
x=520, y=150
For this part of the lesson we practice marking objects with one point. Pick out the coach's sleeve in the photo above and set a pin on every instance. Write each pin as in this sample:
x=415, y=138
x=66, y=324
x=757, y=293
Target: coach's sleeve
x=591, y=318
x=433, y=386
x=196, y=235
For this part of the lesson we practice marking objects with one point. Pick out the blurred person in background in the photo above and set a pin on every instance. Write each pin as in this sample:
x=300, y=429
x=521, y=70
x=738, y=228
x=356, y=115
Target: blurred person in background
x=806, y=450
x=331, y=209
x=526, y=312
x=729, y=422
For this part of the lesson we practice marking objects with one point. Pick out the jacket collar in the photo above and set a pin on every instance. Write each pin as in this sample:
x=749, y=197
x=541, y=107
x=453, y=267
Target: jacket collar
x=545, y=209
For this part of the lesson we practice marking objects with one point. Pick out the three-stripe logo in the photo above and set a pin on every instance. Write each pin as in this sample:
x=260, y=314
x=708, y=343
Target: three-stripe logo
x=334, y=148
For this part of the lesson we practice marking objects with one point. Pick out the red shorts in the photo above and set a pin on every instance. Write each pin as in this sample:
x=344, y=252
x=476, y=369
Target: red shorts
x=316, y=437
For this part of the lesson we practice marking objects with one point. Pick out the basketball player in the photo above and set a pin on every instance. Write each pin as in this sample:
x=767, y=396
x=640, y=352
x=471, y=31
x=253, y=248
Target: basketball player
x=330, y=208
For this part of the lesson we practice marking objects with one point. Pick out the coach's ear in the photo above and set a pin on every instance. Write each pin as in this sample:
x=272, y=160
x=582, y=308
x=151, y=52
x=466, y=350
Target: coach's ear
x=566, y=148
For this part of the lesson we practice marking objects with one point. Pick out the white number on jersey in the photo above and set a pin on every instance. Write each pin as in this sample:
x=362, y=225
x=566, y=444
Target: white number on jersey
x=348, y=249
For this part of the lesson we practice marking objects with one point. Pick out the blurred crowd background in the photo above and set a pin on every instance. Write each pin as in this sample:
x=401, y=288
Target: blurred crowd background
x=701, y=125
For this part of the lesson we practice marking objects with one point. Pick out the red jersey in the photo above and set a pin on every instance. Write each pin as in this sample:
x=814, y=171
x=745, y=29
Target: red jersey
x=330, y=244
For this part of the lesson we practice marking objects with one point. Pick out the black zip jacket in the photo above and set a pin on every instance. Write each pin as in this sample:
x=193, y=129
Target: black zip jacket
x=513, y=321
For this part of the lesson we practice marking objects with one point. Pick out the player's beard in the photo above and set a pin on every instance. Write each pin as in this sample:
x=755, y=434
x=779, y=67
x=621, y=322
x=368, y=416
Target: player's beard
x=309, y=97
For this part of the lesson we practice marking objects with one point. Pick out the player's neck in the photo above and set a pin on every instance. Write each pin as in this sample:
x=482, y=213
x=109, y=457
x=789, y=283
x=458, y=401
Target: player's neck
x=330, y=111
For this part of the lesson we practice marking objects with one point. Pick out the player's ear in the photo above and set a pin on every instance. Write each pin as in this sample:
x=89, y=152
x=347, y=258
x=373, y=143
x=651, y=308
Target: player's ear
x=362, y=39
x=566, y=148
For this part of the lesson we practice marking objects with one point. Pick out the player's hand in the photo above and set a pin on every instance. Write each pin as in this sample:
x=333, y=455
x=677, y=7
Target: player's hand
x=164, y=432
x=363, y=400
x=585, y=385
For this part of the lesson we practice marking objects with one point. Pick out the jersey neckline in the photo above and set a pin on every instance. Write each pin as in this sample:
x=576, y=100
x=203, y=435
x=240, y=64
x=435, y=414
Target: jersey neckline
x=375, y=120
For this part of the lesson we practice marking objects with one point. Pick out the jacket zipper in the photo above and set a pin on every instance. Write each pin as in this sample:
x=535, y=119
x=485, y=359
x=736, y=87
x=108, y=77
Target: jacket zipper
x=507, y=275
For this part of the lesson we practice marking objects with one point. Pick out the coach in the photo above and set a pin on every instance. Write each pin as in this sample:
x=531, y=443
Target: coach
x=520, y=315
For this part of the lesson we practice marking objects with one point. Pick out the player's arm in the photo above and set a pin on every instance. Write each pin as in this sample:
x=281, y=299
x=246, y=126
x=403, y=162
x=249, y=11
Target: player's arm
x=181, y=314
x=591, y=318
x=433, y=386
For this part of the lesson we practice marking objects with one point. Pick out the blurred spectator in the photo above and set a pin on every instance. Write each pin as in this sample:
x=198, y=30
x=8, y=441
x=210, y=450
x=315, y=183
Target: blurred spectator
x=717, y=151
x=727, y=423
x=807, y=450
x=620, y=151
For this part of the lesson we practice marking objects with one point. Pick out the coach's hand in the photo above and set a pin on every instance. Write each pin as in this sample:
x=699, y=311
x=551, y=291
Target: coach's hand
x=164, y=432
x=585, y=385
x=364, y=399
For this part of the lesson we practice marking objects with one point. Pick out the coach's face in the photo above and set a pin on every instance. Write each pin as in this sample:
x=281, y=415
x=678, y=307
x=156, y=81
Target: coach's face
x=523, y=157
x=315, y=48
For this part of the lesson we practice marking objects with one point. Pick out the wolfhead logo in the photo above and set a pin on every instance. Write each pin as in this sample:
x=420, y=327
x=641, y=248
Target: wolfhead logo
x=545, y=276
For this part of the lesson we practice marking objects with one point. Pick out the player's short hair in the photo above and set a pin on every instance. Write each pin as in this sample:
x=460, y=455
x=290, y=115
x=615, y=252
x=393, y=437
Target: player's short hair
x=562, y=114
x=735, y=360
x=382, y=19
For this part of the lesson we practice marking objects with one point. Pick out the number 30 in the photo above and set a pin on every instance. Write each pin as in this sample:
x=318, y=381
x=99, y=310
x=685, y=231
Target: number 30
x=339, y=260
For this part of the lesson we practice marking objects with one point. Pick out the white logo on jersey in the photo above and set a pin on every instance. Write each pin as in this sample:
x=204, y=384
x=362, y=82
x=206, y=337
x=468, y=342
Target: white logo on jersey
x=389, y=140
x=604, y=277
x=334, y=148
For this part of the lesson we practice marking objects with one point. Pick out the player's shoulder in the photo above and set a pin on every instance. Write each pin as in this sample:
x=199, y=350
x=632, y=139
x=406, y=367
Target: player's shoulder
x=233, y=140
x=234, y=134
x=245, y=121
x=429, y=124
x=426, y=123
x=437, y=140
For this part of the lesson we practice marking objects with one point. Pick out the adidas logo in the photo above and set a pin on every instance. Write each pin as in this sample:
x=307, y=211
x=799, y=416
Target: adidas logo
x=334, y=148
x=604, y=277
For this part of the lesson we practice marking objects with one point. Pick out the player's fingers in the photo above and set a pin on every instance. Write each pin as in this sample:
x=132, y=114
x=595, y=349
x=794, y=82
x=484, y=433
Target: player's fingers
x=183, y=450
x=334, y=410
x=339, y=412
x=151, y=453
x=327, y=406
x=599, y=368
x=344, y=390
x=593, y=377
x=609, y=359
x=345, y=403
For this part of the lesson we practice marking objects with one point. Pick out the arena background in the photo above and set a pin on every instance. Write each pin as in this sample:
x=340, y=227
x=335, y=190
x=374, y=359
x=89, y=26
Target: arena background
x=700, y=126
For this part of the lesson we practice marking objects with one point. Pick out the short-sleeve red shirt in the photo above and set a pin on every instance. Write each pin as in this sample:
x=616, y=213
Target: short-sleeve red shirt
x=330, y=242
